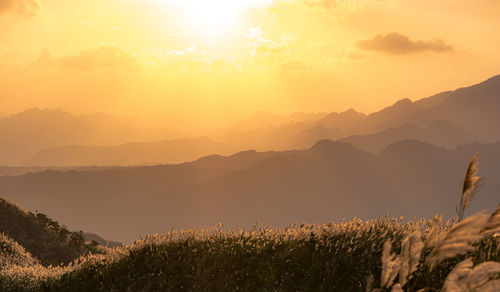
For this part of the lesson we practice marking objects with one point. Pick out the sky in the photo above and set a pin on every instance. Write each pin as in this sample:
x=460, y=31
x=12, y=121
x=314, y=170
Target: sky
x=201, y=64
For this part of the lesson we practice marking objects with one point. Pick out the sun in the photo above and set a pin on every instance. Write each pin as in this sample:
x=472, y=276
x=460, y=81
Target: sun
x=213, y=18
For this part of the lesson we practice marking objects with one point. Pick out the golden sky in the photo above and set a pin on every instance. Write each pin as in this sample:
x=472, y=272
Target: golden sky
x=203, y=63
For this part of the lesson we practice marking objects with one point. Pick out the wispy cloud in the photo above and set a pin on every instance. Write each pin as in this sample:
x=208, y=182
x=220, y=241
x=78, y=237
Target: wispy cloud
x=102, y=57
x=399, y=44
x=24, y=8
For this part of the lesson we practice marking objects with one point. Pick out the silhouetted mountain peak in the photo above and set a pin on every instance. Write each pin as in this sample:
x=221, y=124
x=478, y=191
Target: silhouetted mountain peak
x=345, y=120
x=403, y=102
x=38, y=113
x=328, y=146
x=351, y=111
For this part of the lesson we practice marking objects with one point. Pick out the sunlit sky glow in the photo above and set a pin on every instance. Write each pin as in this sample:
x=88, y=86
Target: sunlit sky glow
x=205, y=63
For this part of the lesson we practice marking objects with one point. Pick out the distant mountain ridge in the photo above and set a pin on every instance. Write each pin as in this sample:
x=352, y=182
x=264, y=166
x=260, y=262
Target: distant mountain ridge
x=450, y=118
x=329, y=181
x=439, y=133
x=25, y=133
x=474, y=108
x=163, y=152
x=299, y=130
x=344, y=121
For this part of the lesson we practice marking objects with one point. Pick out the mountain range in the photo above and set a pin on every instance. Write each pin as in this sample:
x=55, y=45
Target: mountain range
x=171, y=151
x=50, y=138
x=329, y=181
x=408, y=158
x=23, y=134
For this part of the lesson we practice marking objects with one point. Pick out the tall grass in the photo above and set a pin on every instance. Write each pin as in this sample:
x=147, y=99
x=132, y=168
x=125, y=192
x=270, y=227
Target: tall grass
x=470, y=186
x=386, y=254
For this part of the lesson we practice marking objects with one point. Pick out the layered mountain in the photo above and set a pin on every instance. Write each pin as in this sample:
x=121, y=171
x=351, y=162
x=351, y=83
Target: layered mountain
x=299, y=130
x=475, y=109
x=440, y=133
x=446, y=119
x=163, y=152
x=344, y=121
x=329, y=181
x=25, y=133
x=389, y=116
x=262, y=120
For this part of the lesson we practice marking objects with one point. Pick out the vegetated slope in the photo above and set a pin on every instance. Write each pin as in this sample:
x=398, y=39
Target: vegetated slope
x=42, y=237
x=344, y=256
x=101, y=241
x=329, y=181
x=13, y=254
x=172, y=151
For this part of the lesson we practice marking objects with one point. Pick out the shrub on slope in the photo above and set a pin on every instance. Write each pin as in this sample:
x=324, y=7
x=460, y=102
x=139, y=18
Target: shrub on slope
x=41, y=236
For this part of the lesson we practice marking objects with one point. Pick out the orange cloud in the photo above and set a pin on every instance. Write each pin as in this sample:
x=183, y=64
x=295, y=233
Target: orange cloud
x=101, y=57
x=25, y=8
x=398, y=44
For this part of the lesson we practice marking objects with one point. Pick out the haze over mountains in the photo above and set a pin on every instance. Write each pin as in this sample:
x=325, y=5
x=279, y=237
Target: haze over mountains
x=56, y=138
x=25, y=133
x=172, y=151
x=330, y=181
x=408, y=158
x=447, y=119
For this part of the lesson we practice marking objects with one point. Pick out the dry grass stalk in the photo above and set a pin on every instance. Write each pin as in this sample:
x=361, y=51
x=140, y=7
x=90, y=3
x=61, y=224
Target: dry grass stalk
x=397, y=288
x=484, y=277
x=470, y=186
x=390, y=266
x=458, y=240
x=436, y=233
x=493, y=224
x=411, y=250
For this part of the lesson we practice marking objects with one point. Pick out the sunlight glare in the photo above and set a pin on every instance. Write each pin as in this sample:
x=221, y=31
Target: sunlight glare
x=213, y=18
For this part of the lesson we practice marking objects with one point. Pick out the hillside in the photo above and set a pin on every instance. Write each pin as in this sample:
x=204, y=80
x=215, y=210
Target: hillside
x=315, y=185
x=344, y=256
x=41, y=236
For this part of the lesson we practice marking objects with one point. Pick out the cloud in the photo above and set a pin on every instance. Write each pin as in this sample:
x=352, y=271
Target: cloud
x=398, y=44
x=25, y=8
x=100, y=58
x=265, y=47
x=327, y=4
